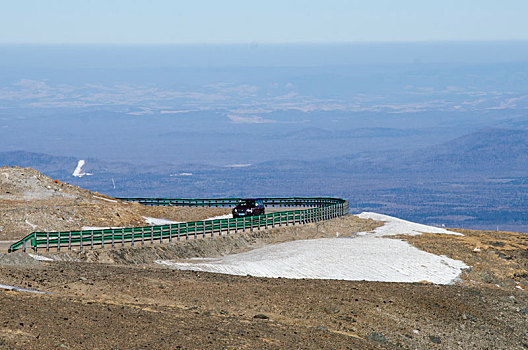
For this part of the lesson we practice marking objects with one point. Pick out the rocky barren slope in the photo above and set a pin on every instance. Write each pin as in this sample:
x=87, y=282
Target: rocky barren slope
x=31, y=201
x=119, y=298
x=103, y=306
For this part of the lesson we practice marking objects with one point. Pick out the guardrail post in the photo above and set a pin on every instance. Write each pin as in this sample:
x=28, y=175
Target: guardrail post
x=142, y=236
x=186, y=231
x=151, y=234
x=47, y=241
x=113, y=238
x=170, y=233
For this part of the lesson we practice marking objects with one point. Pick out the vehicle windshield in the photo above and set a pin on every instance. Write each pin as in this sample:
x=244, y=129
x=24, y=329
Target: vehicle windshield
x=246, y=203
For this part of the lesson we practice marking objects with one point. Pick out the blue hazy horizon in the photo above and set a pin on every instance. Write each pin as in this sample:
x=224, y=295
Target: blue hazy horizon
x=291, y=55
x=272, y=21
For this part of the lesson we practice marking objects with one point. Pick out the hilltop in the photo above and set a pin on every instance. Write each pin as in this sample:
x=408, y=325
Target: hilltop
x=31, y=201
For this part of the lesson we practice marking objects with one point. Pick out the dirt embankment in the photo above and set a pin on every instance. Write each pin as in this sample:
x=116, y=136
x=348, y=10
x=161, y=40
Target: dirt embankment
x=219, y=246
x=31, y=201
x=102, y=306
x=497, y=259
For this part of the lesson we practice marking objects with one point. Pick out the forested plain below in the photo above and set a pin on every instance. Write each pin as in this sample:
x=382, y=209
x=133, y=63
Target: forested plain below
x=433, y=133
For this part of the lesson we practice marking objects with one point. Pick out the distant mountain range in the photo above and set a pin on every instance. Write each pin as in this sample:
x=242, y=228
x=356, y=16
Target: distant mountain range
x=486, y=151
x=45, y=163
x=479, y=180
x=489, y=151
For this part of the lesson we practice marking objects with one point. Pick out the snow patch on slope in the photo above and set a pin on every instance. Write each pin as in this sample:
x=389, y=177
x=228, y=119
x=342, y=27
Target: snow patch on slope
x=105, y=199
x=39, y=257
x=78, y=172
x=394, y=226
x=157, y=222
x=18, y=289
x=219, y=217
x=92, y=228
x=366, y=258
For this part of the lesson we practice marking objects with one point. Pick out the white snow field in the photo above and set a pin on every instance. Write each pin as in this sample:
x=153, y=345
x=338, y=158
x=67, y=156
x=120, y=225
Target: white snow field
x=394, y=226
x=365, y=256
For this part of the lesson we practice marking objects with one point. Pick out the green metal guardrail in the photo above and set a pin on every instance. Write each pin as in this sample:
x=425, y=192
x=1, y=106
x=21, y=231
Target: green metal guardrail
x=321, y=208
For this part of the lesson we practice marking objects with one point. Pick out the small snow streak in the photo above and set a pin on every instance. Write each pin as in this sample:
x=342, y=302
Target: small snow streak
x=39, y=257
x=30, y=224
x=157, y=221
x=18, y=289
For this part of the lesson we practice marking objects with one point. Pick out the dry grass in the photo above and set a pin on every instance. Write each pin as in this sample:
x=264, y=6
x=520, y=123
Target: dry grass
x=496, y=258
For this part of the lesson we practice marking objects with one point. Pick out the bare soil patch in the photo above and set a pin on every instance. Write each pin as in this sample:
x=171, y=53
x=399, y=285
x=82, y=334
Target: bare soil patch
x=108, y=306
x=497, y=259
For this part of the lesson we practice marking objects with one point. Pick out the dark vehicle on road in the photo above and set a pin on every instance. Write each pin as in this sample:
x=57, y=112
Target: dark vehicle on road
x=249, y=207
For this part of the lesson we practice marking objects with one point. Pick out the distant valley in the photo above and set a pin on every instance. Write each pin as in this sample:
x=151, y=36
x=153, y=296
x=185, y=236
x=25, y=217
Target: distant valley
x=475, y=181
x=417, y=134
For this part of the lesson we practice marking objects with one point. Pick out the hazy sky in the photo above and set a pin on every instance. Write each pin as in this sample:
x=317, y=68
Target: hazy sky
x=265, y=21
